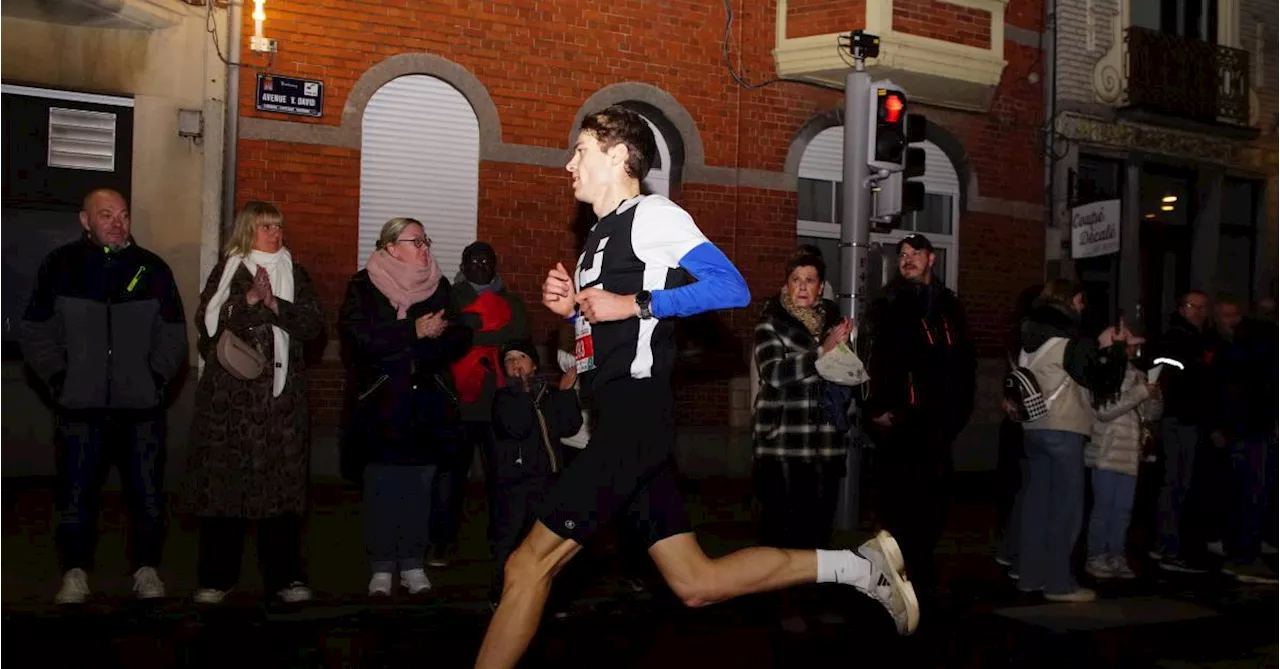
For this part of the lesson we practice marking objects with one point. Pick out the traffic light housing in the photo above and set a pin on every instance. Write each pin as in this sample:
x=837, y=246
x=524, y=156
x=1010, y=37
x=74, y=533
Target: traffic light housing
x=891, y=130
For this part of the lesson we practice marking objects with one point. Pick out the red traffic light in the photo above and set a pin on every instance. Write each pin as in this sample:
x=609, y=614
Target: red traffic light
x=893, y=106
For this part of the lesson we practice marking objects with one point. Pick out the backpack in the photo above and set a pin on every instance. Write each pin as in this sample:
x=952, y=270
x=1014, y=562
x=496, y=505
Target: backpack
x=1023, y=390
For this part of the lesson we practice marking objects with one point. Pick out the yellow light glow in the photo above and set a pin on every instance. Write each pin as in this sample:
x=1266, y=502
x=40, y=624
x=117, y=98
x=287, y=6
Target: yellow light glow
x=1167, y=207
x=1150, y=216
x=258, y=13
x=1169, y=198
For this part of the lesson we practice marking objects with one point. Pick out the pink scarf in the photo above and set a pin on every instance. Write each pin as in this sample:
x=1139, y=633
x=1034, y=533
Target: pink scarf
x=404, y=284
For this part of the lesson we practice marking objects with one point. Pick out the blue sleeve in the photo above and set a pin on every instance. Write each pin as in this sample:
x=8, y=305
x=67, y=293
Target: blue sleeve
x=719, y=285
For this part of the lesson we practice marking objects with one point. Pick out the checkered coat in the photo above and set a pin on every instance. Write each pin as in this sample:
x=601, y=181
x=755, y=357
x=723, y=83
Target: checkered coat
x=789, y=420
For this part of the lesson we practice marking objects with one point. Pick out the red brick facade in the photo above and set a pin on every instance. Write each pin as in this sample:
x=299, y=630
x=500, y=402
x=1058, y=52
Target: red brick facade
x=943, y=20
x=540, y=62
x=822, y=17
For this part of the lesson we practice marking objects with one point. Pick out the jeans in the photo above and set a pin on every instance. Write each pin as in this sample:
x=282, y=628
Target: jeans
x=1253, y=482
x=1010, y=543
x=397, y=512
x=1052, y=510
x=279, y=551
x=1112, y=508
x=86, y=450
x=1180, y=444
x=448, y=496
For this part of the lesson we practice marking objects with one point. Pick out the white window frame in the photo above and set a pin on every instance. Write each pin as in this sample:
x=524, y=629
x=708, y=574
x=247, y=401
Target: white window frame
x=829, y=170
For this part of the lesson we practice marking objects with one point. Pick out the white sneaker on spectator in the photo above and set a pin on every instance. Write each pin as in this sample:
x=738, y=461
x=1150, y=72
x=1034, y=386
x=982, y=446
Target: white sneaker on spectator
x=147, y=583
x=209, y=596
x=75, y=587
x=1216, y=548
x=1252, y=572
x=1156, y=554
x=380, y=584
x=889, y=584
x=1120, y=568
x=296, y=593
x=415, y=581
x=1099, y=566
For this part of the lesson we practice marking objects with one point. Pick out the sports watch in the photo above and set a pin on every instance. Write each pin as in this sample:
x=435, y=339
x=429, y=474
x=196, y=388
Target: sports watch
x=643, y=300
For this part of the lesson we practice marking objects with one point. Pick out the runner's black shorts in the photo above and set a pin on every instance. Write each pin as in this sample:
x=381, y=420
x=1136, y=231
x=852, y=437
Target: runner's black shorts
x=625, y=469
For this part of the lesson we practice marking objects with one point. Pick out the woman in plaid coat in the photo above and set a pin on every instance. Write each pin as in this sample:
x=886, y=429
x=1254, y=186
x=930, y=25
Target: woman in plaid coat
x=799, y=453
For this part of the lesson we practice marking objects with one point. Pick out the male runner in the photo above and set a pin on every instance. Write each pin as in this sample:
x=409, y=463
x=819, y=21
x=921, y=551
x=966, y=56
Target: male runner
x=627, y=293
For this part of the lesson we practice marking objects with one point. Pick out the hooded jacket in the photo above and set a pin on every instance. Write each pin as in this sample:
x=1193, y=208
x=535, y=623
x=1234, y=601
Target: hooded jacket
x=1082, y=374
x=920, y=358
x=479, y=371
x=521, y=449
x=1185, y=390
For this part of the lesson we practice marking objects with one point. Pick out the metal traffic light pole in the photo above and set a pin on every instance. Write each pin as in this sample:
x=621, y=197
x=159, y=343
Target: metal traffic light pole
x=855, y=232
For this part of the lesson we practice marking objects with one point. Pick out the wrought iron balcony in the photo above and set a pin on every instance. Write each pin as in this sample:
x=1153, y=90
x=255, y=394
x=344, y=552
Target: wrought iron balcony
x=1186, y=78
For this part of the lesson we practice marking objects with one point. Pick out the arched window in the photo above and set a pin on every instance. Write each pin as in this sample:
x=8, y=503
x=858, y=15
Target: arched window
x=420, y=158
x=658, y=181
x=820, y=205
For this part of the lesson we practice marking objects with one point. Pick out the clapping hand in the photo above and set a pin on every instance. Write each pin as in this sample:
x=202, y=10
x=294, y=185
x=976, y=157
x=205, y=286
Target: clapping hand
x=838, y=335
x=429, y=325
x=557, y=291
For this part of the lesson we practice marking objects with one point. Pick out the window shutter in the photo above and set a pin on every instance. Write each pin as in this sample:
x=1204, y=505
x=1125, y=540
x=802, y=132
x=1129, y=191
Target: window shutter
x=824, y=159
x=420, y=158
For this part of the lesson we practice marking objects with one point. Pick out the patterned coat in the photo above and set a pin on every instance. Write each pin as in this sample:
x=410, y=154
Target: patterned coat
x=790, y=421
x=250, y=452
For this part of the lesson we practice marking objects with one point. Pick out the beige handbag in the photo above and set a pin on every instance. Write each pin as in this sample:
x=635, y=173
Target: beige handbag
x=241, y=360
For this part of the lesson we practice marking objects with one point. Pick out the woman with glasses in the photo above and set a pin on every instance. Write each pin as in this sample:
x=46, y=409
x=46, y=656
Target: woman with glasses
x=402, y=335
x=250, y=439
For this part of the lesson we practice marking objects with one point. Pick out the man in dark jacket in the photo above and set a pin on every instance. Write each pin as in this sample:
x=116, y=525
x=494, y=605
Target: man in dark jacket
x=921, y=364
x=106, y=334
x=530, y=417
x=1241, y=421
x=497, y=318
x=1182, y=352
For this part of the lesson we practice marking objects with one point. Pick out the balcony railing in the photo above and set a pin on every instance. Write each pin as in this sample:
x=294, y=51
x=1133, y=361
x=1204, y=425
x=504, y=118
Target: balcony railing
x=1187, y=78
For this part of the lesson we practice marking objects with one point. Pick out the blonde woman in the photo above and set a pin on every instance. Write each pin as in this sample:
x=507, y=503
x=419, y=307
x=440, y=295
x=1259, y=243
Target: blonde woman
x=403, y=334
x=250, y=440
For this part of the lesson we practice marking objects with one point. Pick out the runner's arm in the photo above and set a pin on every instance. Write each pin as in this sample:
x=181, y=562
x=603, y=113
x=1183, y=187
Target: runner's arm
x=664, y=234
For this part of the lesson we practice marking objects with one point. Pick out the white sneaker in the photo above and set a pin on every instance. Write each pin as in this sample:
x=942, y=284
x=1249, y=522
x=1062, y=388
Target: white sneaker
x=75, y=587
x=1099, y=566
x=889, y=584
x=1120, y=568
x=415, y=581
x=209, y=596
x=147, y=583
x=380, y=584
x=1216, y=548
x=296, y=593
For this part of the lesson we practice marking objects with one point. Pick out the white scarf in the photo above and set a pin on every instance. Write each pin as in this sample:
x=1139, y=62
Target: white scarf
x=279, y=266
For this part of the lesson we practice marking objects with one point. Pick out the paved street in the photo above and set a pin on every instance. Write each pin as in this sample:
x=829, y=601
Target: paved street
x=980, y=621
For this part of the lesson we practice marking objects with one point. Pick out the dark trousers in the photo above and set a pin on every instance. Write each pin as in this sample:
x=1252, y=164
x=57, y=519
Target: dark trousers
x=279, y=551
x=397, y=506
x=1253, y=483
x=915, y=475
x=797, y=500
x=86, y=450
x=448, y=495
x=513, y=513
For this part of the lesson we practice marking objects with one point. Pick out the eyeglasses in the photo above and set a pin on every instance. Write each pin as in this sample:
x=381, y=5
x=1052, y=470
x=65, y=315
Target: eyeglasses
x=418, y=242
x=270, y=227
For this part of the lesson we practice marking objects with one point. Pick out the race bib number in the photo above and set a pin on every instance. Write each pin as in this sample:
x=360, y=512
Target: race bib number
x=584, y=349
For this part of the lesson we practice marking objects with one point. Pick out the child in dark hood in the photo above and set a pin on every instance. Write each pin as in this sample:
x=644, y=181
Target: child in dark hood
x=530, y=417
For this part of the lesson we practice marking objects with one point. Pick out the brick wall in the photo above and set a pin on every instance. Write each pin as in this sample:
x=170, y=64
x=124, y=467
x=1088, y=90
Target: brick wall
x=822, y=17
x=944, y=21
x=539, y=62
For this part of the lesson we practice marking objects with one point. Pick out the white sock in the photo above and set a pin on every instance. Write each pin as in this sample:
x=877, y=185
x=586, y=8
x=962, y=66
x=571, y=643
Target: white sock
x=844, y=567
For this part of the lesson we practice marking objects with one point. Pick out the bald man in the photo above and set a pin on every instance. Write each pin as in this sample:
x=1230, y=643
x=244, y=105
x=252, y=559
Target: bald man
x=105, y=332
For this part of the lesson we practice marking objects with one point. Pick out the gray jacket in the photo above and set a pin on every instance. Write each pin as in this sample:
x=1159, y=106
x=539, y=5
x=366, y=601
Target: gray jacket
x=104, y=329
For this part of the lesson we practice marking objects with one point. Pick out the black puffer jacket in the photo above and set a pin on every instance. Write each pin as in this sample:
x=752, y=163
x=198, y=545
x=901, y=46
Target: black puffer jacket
x=920, y=357
x=521, y=450
x=403, y=406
